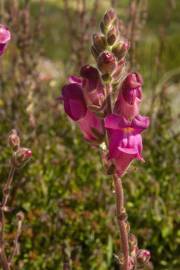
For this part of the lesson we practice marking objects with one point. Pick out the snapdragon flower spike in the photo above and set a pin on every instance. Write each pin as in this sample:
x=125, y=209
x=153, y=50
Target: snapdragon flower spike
x=125, y=141
x=130, y=96
x=5, y=37
x=76, y=108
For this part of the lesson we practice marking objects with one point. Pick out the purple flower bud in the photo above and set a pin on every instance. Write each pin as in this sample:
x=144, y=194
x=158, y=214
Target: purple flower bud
x=106, y=62
x=5, y=37
x=14, y=140
x=99, y=42
x=112, y=35
x=91, y=74
x=130, y=96
x=121, y=49
x=74, y=102
x=109, y=17
x=21, y=156
x=93, y=90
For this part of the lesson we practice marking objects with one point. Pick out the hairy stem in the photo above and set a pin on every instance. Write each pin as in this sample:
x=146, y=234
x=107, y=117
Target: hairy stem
x=108, y=93
x=121, y=216
x=6, y=191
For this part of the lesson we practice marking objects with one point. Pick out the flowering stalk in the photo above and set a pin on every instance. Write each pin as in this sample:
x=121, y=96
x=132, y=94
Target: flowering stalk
x=20, y=156
x=121, y=215
x=105, y=103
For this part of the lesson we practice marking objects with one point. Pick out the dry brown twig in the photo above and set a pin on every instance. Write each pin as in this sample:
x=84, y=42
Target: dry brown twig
x=138, y=11
x=79, y=31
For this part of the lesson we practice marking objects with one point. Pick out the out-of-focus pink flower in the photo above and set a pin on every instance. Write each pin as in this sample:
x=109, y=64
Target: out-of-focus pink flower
x=74, y=102
x=93, y=89
x=22, y=155
x=131, y=263
x=130, y=96
x=5, y=37
x=76, y=108
x=91, y=127
x=143, y=255
x=125, y=141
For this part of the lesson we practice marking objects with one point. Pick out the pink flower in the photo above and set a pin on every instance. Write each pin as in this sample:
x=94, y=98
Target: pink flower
x=5, y=37
x=143, y=255
x=125, y=141
x=93, y=89
x=91, y=127
x=130, y=96
x=74, y=102
x=76, y=108
x=131, y=263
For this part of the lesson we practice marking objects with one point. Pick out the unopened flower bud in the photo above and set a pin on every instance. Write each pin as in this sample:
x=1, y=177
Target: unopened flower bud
x=22, y=156
x=106, y=62
x=20, y=216
x=120, y=49
x=99, y=42
x=103, y=28
x=143, y=256
x=14, y=140
x=112, y=36
x=94, y=52
x=109, y=17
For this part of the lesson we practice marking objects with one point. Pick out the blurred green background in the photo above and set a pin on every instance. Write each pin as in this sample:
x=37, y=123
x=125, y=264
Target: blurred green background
x=68, y=201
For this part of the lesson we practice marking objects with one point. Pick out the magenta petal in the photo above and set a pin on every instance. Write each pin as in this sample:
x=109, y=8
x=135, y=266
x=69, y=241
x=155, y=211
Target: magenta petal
x=93, y=89
x=90, y=74
x=114, y=121
x=140, y=122
x=125, y=155
x=74, y=103
x=88, y=124
x=5, y=37
x=129, y=111
x=2, y=48
x=122, y=163
x=131, y=88
x=124, y=146
x=75, y=79
x=130, y=151
x=5, y=34
x=130, y=96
